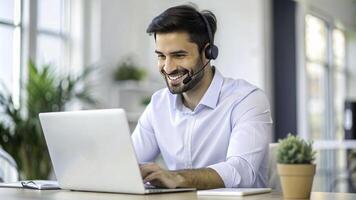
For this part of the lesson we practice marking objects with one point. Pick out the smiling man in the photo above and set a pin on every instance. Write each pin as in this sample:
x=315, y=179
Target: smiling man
x=211, y=131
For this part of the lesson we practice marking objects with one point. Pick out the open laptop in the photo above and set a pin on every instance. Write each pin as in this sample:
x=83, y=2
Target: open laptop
x=92, y=151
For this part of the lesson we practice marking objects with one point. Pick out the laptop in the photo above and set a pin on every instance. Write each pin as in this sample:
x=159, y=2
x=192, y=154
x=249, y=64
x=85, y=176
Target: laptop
x=92, y=151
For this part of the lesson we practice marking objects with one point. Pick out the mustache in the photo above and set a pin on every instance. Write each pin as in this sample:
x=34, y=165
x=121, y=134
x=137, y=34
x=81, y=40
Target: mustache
x=176, y=71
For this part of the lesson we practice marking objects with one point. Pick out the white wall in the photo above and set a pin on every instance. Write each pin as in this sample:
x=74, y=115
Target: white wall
x=242, y=38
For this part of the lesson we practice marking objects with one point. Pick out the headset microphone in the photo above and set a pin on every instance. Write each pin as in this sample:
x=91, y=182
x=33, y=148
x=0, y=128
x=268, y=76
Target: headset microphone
x=189, y=78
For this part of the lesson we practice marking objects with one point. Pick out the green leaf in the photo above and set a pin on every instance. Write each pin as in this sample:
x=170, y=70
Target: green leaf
x=20, y=132
x=294, y=150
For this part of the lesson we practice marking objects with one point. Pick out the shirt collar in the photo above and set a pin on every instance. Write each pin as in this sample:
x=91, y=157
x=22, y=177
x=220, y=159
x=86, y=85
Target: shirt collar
x=211, y=96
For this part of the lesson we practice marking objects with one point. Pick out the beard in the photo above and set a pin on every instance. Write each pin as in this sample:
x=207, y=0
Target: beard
x=181, y=87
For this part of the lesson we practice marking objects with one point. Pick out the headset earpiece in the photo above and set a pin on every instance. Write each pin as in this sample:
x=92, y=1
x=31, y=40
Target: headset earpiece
x=211, y=52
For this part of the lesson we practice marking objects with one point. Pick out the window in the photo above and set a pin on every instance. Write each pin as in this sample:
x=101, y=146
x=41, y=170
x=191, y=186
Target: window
x=316, y=67
x=47, y=32
x=326, y=92
x=339, y=80
x=51, y=34
x=10, y=48
x=325, y=69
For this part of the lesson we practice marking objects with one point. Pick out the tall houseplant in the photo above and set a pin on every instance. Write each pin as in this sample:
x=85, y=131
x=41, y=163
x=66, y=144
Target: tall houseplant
x=20, y=131
x=295, y=166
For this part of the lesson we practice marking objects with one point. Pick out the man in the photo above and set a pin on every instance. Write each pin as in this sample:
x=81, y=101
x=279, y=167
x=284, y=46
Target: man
x=211, y=131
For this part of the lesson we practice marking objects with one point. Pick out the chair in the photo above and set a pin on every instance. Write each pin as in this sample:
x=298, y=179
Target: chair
x=273, y=178
x=8, y=168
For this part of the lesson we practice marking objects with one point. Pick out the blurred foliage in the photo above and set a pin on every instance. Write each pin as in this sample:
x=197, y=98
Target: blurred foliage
x=145, y=101
x=295, y=150
x=129, y=71
x=20, y=131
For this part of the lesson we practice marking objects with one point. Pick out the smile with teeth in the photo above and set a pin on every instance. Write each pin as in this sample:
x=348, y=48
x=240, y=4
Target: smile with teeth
x=177, y=78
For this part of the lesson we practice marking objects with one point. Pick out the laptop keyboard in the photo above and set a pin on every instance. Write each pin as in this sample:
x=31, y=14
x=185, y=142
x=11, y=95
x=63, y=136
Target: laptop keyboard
x=149, y=186
x=154, y=189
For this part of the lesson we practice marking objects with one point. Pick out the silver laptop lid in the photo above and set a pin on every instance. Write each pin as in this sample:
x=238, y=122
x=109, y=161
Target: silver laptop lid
x=92, y=150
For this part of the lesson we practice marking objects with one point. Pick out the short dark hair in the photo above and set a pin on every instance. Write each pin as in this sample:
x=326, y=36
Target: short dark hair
x=185, y=18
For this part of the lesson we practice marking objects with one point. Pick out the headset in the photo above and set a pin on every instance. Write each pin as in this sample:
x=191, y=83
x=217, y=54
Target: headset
x=211, y=51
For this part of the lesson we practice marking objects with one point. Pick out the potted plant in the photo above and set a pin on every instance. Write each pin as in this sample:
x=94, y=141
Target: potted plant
x=131, y=88
x=129, y=71
x=295, y=166
x=20, y=132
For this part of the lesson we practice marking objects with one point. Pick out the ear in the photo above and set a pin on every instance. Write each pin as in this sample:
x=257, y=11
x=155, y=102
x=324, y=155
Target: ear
x=204, y=50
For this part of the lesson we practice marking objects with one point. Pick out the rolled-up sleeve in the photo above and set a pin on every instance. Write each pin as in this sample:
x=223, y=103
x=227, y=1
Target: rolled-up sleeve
x=246, y=160
x=144, y=139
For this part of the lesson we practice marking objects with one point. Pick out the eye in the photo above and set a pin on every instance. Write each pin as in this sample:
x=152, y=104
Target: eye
x=179, y=55
x=161, y=56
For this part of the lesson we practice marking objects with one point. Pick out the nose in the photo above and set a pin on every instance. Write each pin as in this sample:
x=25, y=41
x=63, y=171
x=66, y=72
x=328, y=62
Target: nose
x=168, y=65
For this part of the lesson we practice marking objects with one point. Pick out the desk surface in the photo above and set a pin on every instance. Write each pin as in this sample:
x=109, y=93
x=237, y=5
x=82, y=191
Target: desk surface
x=17, y=194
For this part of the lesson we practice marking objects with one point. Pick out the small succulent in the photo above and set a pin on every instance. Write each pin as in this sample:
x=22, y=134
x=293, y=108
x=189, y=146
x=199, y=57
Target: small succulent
x=295, y=150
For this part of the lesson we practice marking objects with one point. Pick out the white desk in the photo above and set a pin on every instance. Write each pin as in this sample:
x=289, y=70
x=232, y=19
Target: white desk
x=20, y=194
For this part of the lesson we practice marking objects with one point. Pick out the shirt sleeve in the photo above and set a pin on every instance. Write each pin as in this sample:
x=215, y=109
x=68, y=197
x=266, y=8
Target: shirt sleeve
x=144, y=139
x=251, y=131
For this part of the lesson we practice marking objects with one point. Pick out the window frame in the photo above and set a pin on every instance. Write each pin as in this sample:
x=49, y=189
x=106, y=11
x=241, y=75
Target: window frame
x=62, y=35
x=17, y=27
x=27, y=48
x=330, y=70
x=329, y=161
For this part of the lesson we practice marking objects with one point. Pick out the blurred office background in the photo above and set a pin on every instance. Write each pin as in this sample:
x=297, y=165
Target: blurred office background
x=302, y=53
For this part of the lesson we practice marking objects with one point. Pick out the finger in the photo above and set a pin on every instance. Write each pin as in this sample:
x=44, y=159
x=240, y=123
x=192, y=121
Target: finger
x=154, y=179
x=157, y=183
x=151, y=177
x=148, y=169
x=159, y=178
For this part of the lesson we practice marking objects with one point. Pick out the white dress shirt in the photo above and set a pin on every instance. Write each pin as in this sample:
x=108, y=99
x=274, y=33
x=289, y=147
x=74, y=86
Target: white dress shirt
x=228, y=131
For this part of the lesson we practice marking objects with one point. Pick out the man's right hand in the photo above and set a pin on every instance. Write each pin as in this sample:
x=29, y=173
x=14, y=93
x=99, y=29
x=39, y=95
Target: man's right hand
x=157, y=176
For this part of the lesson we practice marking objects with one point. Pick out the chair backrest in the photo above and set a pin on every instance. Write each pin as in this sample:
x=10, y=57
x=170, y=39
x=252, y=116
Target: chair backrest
x=8, y=168
x=273, y=178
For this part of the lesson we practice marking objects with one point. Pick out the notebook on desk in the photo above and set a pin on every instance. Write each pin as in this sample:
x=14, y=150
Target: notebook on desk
x=233, y=191
x=33, y=184
x=92, y=151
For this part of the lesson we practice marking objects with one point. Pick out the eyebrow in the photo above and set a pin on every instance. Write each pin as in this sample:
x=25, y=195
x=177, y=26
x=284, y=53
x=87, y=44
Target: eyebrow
x=173, y=52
